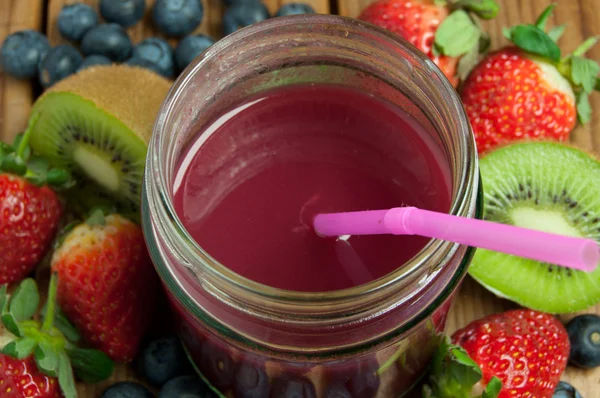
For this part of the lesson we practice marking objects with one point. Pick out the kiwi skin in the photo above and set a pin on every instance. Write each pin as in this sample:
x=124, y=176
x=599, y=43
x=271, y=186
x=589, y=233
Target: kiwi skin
x=550, y=186
x=97, y=123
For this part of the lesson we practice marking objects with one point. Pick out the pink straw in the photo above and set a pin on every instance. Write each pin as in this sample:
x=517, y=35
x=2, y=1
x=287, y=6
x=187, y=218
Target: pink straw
x=577, y=253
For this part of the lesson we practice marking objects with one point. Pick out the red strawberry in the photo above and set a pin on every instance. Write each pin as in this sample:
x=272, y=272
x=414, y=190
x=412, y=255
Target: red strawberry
x=518, y=353
x=107, y=283
x=29, y=220
x=442, y=33
x=20, y=378
x=526, y=91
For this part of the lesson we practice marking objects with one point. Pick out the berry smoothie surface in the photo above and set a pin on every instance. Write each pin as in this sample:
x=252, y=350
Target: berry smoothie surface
x=249, y=184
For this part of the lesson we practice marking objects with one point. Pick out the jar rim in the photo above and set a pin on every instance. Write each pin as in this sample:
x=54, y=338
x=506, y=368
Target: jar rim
x=469, y=182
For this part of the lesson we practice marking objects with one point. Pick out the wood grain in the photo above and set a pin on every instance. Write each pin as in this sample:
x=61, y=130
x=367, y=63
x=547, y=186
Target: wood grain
x=583, y=20
x=16, y=95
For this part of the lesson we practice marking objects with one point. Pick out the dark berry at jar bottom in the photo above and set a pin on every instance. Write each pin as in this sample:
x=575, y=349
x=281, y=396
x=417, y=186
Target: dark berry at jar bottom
x=291, y=386
x=251, y=381
x=217, y=366
x=360, y=380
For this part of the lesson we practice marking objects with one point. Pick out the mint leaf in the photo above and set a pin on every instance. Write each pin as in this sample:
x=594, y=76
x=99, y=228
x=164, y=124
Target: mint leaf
x=492, y=390
x=46, y=357
x=584, y=72
x=535, y=41
x=584, y=109
x=25, y=300
x=63, y=324
x=485, y=9
x=11, y=325
x=556, y=32
x=91, y=366
x=457, y=34
x=543, y=18
x=65, y=376
x=20, y=349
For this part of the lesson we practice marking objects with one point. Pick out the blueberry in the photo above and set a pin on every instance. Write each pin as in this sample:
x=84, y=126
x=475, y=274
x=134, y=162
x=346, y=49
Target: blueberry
x=337, y=390
x=189, y=48
x=177, y=17
x=123, y=12
x=162, y=360
x=217, y=366
x=74, y=20
x=109, y=40
x=361, y=380
x=158, y=53
x=251, y=382
x=186, y=387
x=294, y=9
x=126, y=389
x=584, y=336
x=292, y=386
x=92, y=60
x=22, y=52
x=240, y=15
x=60, y=62
x=565, y=390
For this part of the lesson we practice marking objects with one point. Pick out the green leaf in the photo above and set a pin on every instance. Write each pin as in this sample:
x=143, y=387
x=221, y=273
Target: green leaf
x=46, y=357
x=58, y=177
x=585, y=46
x=65, y=376
x=96, y=217
x=467, y=63
x=62, y=323
x=584, y=72
x=543, y=18
x=51, y=306
x=457, y=34
x=507, y=33
x=584, y=109
x=492, y=390
x=20, y=348
x=14, y=164
x=535, y=41
x=597, y=85
x=91, y=366
x=485, y=9
x=38, y=165
x=25, y=300
x=11, y=325
x=556, y=32
x=3, y=299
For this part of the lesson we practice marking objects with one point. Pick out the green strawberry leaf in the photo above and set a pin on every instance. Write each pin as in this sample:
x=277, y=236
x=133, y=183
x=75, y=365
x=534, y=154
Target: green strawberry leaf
x=543, y=18
x=585, y=46
x=485, y=9
x=584, y=109
x=3, y=299
x=11, y=324
x=535, y=41
x=46, y=357
x=96, y=217
x=467, y=63
x=63, y=324
x=556, y=32
x=65, y=376
x=14, y=164
x=91, y=366
x=20, y=348
x=25, y=300
x=38, y=165
x=493, y=388
x=59, y=177
x=457, y=34
x=584, y=72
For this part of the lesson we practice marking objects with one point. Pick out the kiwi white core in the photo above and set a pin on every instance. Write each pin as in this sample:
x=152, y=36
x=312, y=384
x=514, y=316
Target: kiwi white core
x=549, y=221
x=97, y=167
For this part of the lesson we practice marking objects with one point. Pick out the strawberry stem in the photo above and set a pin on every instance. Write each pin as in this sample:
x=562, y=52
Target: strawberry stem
x=51, y=304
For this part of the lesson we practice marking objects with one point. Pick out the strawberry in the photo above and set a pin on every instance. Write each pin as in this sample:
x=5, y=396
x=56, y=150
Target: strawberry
x=526, y=91
x=518, y=353
x=41, y=359
x=445, y=30
x=107, y=283
x=30, y=209
x=20, y=378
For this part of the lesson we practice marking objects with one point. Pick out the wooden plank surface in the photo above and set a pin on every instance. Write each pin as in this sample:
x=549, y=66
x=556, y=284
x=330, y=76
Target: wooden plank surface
x=582, y=16
x=583, y=20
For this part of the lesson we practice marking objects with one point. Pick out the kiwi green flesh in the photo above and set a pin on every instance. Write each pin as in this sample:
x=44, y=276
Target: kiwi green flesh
x=549, y=187
x=72, y=132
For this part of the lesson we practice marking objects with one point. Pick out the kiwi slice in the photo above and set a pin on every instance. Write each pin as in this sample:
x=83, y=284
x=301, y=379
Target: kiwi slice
x=97, y=124
x=545, y=186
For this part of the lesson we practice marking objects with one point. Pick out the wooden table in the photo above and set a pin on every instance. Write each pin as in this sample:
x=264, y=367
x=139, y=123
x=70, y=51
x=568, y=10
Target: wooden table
x=582, y=16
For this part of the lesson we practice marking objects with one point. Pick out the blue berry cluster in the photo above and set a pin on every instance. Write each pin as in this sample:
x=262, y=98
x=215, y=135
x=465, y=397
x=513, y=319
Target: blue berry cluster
x=101, y=39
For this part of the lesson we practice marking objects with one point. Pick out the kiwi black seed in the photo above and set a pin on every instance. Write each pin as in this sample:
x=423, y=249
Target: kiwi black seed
x=546, y=186
x=97, y=123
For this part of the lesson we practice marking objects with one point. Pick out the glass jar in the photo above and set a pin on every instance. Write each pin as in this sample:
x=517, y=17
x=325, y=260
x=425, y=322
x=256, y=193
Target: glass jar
x=373, y=340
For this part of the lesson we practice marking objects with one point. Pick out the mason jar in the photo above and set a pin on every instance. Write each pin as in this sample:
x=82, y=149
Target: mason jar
x=247, y=339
